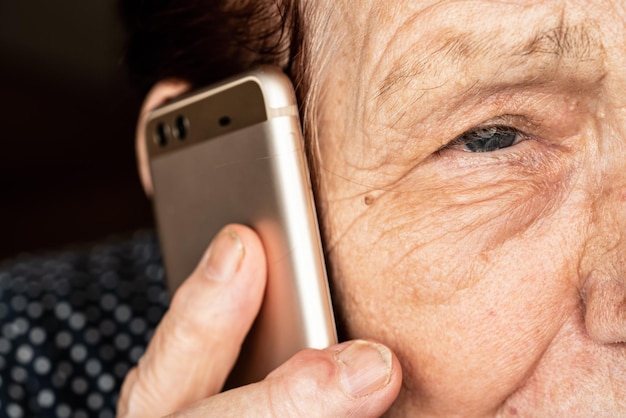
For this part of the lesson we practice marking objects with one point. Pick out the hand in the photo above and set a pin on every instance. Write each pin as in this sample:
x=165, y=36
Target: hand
x=198, y=341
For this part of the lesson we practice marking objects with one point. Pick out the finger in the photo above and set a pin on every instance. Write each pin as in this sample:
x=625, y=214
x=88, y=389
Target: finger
x=358, y=378
x=198, y=340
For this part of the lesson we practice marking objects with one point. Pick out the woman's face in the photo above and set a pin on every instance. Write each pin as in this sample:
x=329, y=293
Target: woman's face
x=472, y=168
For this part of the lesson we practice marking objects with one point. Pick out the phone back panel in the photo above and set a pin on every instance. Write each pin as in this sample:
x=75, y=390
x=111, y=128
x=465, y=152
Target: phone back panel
x=255, y=176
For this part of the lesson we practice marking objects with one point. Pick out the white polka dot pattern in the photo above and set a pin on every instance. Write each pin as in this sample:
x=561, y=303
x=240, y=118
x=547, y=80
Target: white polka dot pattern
x=73, y=324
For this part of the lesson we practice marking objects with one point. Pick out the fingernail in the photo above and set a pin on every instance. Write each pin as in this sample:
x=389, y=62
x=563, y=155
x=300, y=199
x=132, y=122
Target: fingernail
x=365, y=367
x=224, y=256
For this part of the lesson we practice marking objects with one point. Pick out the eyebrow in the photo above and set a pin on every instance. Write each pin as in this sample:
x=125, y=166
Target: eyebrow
x=544, y=53
x=574, y=42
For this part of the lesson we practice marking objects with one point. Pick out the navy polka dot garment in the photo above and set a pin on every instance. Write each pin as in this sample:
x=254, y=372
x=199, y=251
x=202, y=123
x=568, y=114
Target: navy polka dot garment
x=73, y=324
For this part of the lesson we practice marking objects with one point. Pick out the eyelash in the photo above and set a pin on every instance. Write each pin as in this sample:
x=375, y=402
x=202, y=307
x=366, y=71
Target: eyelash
x=487, y=139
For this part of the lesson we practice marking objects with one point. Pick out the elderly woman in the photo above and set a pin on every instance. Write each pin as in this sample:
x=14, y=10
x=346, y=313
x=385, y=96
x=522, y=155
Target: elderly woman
x=469, y=159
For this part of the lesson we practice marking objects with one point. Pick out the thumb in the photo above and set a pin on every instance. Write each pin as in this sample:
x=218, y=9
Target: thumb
x=353, y=379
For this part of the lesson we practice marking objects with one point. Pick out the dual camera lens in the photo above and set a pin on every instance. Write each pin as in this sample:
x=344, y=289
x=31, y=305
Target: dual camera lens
x=164, y=132
x=179, y=130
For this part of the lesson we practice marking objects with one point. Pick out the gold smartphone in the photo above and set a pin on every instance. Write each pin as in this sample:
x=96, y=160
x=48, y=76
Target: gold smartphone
x=234, y=153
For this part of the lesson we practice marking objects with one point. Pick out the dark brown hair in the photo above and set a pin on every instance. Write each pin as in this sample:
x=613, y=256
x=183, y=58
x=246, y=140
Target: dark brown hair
x=202, y=41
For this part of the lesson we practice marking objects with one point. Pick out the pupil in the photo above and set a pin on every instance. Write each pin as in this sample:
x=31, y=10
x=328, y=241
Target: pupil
x=490, y=140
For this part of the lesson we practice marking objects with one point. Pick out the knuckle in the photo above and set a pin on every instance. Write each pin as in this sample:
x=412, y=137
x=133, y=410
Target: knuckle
x=186, y=297
x=303, y=386
x=177, y=338
x=136, y=396
x=315, y=365
x=190, y=310
x=282, y=400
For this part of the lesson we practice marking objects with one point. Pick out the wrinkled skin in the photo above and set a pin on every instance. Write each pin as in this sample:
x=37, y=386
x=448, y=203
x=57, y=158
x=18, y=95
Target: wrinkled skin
x=498, y=278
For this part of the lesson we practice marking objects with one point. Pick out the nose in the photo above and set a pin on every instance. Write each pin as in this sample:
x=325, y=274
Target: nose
x=603, y=290
x=604, y=298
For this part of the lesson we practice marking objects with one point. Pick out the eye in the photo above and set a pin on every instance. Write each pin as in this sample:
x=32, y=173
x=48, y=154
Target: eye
x=487, y=139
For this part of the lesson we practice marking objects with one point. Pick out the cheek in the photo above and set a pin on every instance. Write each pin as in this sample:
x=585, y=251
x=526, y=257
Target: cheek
x=456, y=271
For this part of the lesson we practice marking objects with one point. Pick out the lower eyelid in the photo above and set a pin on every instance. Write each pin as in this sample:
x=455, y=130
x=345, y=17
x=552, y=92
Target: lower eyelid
x=515, y=153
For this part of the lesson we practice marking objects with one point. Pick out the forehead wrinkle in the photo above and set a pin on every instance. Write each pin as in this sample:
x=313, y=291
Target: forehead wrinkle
x=456, y=48
x=542, y=54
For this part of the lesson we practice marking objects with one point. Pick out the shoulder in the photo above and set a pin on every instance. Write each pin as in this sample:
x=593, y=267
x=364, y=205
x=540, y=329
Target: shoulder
x=72, y=323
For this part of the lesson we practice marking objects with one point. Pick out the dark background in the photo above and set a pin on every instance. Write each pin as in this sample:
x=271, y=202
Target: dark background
x=67, y=120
